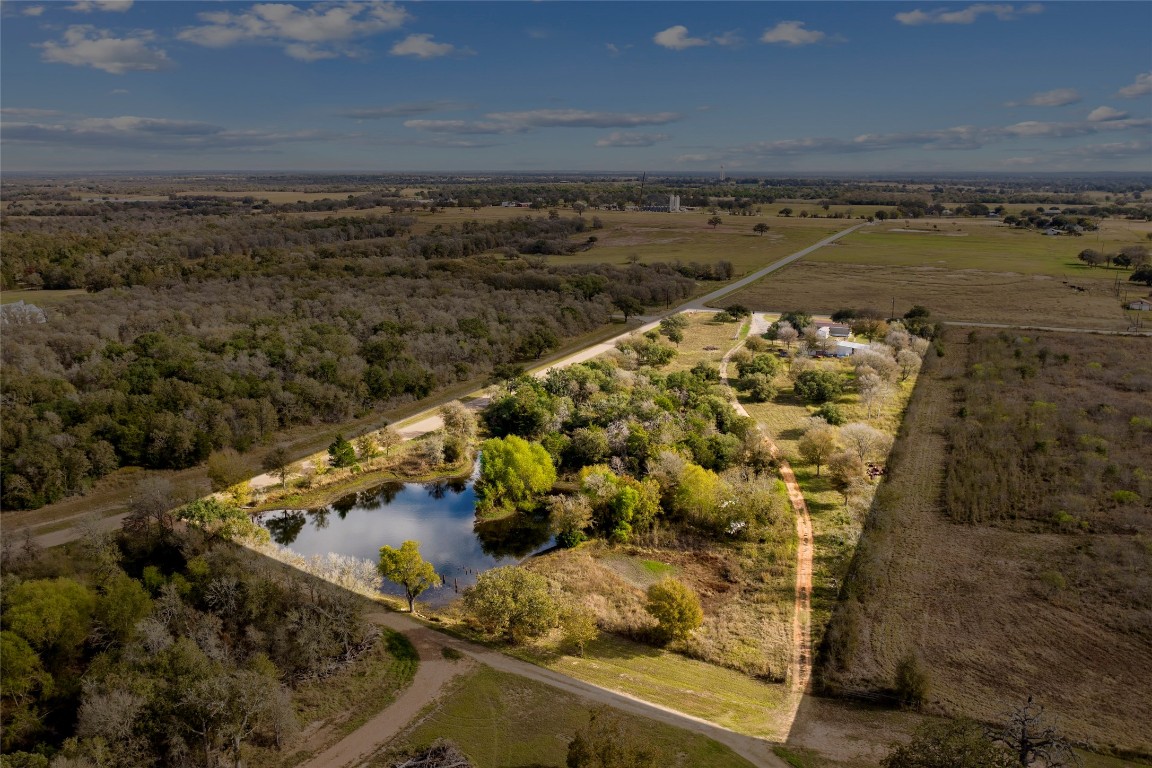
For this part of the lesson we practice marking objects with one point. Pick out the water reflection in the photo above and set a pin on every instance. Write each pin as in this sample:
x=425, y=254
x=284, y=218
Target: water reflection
x=440, y=515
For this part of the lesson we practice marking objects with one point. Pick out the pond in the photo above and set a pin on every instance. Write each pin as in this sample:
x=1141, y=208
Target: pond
x=440, y=515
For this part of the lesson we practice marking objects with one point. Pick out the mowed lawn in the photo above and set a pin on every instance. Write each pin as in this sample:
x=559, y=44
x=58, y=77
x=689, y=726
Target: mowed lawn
x=502, y=720
x=722, y=696
x=41, y=298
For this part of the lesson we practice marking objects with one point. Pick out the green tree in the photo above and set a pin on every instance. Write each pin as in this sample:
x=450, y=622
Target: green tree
x=816, y=386
x=53, y=615
x=512, y=603
x=123, y=602
x=513, y=472
x=628, y=306
x=578, y=623
x=606, y=742
x=759, y=387
x=22, y=675
x=226, y=468
x=761, y=228
x=817, y=445
x=676, y=608
x=569, y=517
x=407, y=568
x=949, y=744
x=1142, y=275
x=341, y=452
x=276, y=463
x=715, y=221
x=221, y=520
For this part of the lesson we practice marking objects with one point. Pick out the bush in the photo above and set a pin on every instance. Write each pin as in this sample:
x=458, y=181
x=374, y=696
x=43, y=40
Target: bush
x=831, y=413
x=817, y=386
x=512, y=603
x=949, y=744
x=675, y=607
x=912, y=682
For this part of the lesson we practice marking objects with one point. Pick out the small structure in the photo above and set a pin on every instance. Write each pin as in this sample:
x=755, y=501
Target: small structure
x=1053, y=232
x=848, y=348
x=1141, y=305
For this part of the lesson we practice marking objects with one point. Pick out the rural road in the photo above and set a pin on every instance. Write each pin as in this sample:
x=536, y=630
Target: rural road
x=427, y=685
x=967, y=323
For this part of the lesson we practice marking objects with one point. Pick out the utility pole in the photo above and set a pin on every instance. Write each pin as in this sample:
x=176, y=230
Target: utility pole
x=643, y=178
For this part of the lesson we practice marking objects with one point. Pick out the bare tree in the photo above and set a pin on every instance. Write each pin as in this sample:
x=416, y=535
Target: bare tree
x=1034, y=741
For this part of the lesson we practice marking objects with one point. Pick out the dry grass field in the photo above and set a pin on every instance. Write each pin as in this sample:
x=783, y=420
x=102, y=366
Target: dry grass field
x=956, y=295
x=998, y=613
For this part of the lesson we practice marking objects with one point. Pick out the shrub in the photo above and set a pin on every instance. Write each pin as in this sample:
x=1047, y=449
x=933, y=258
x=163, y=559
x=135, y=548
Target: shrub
x=675, y=607
x=511, y=603
x=912, y=682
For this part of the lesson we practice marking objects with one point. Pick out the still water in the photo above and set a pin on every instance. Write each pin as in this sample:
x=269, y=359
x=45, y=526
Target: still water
x=440, y=515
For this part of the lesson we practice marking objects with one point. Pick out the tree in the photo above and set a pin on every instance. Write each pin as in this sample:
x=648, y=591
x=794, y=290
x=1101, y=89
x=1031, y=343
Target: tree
x=226, y=468
x=787, y=336
x=1142, y=275
x=817, y=444
x=628, y=306
x=276, y=463
x=513, y=472
x=367, y=447
x=569, y=517
x=761, y=228
x=341, y=452
x=512, y=603
x=405, y=567
x=715, y=221
x=909, y=363
x=1091, y=257
x=759, y=387
x=221, y=520
x=606, y=742
x=1033, y=740
x=150, y=510
x=785, y=212
x=676, y=608
x=578, y=623
x=845, y=469
x=949, y=744
x=817, y=386
x=53, y=615
x=864, y=440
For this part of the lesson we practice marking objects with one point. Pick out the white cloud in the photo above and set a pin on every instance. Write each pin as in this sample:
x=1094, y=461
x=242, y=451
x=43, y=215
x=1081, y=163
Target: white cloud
x=1104, y=114
x=129, y=132
x=32, y=10
x=677, y=38
x=1002, y=11
x=464, y=126
x=1055, y=98
x=792, y=33
x=622, y=139
x=323, y=30
x=28, y=113
x=1140, y=86
x=112, y=6
x=579, y=118
x=615, y=50
x=422, y=47
x=403, y=110
x=86, y=46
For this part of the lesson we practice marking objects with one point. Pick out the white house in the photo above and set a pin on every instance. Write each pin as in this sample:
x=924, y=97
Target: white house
x=1141, y=304
x=848, y=348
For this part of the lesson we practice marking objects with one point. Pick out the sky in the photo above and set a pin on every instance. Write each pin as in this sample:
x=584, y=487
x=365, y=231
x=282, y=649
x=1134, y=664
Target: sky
x=753, y=87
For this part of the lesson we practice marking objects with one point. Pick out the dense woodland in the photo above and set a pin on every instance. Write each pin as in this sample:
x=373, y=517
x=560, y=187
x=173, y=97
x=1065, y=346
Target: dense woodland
x=160, y=647
x=214, y=330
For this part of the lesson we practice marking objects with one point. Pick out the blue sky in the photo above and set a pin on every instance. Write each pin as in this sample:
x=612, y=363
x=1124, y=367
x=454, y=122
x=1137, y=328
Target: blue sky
x=832, y=87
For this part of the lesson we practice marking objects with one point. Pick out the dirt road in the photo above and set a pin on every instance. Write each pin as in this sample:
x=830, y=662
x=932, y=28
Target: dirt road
x=800, y=672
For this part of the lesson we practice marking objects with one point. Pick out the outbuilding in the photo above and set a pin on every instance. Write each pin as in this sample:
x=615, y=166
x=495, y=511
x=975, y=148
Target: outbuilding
x=848, y=348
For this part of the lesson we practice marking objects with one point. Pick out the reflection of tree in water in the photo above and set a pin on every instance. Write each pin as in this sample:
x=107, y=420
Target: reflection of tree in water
x=286, y=527
x=384, y=494
x=344, y=505
x=516, y=535
x=438, y=489
x=320, y=517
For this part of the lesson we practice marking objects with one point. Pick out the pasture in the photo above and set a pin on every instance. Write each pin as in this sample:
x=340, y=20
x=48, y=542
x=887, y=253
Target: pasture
x=955, y=295
x=963, y=244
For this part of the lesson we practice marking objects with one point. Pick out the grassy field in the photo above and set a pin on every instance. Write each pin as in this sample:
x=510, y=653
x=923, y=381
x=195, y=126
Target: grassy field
x=41, y=298
x=998, y=613
x=705, y=341
x=502, y=720
x=981, y=245
x=718, y=695
x=957, y=295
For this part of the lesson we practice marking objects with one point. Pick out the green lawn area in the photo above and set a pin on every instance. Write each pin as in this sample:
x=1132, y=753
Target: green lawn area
x=502, y=720
x=705, y=340
x=41, y=298
x=722, y=696
x=977, y=245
